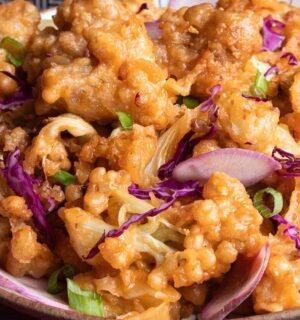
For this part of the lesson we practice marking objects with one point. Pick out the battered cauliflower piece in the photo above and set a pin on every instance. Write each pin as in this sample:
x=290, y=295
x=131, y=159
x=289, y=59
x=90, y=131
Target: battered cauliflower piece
x=246, y=120
x=50, y=47
x=211, y=43
x=5, y=237
x=19, y=20
x=27, y=256
x=14, y=207
x=127, y=78
x=48, y=147
x=85, y=230
x=226, y=223
x=282, y=273
x=132, y=150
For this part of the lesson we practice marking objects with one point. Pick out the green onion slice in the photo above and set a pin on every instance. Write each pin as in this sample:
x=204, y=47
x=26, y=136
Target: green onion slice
x=63, y=177
x=258, y=202
x=67, y=271
x=260, y=87
x=126, y=120
x=86, y=302
x=15, y=50
x=189, y=101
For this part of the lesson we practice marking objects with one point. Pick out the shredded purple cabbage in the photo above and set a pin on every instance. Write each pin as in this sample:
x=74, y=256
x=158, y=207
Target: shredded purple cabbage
x=292, y=59
x=291, y=231
x=24, y=94
x=184, y=148
x=22, y=184
x=163, y=189
x=144, y=6
x=271, y=39
x=290, y=164
x=209, y=104
x=272, y=69
x=257, y=99
x=169, y=190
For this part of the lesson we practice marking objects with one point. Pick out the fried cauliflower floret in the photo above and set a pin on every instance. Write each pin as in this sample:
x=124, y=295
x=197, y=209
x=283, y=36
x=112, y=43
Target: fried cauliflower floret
x=219, y=233
x=282, y=273
x=215, y=49
x=132, y=151
x=101, y=185
x=15, y=138
x=19, y=20
x=14, y=207
x=7, y=85
x=127, y=78
x=246, y=120
x=48, y=146
x=27, y=255
x=50, y=47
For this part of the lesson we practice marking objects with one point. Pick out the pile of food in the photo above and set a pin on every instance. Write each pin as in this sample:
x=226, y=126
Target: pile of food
x=150, y=157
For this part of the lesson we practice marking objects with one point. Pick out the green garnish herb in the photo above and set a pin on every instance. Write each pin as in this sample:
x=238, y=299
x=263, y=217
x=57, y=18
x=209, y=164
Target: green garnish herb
x=63, y=177
x=125, y=119
x=258, y=202
x=260, y=87
x=86, y=302
x=14, y=49
x=67, y=271
x=189, y=101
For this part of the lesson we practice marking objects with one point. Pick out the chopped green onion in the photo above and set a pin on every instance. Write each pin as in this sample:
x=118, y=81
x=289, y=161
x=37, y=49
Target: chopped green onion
x=126, y=120
x=189, y=101
x=258, y=202
x=260, y=87
x=15, y=50
x=67, y=271
x=63, y=177
x=86, y=302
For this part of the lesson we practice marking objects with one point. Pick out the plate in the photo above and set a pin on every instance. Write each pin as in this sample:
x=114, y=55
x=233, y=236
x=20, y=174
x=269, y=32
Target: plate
x=30, y=295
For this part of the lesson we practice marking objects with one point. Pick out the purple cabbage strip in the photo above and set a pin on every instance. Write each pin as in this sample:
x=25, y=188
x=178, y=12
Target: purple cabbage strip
x=292, y=59
x=22, y=184
x=288, y=161
x=257, y=99
x=271, y=39
x=163, y=189
x=272, y=69
x=291, y=231
x=144, y=6
x=133, y=219
x=24, y=94
x=184, y=148
x=169, y=190
x=209, y=103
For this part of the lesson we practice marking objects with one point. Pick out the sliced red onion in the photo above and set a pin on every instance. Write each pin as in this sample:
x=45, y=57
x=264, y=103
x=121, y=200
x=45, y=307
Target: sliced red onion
x=23, y=95
x=177, y=4
x=257, y=99
x=184, y=148
x=272, y=69
x=289, y=163
x=22, y=184
x=144, y=6
x=237, y=285
x=271, y=39
x=247, y=166
x=153, y=30
x=292, y=59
